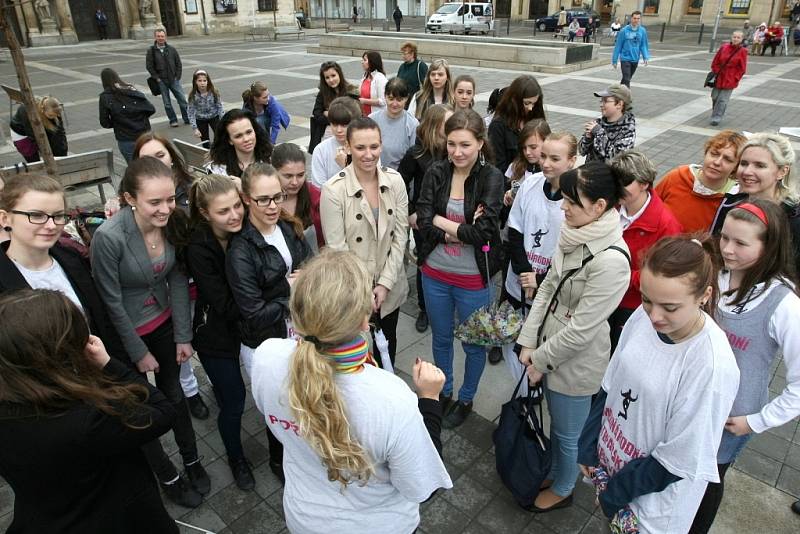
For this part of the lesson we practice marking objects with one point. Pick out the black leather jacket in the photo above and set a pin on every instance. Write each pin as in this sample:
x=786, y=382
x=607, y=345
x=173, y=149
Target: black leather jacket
x=484, y=186
x=216, y=315
x=257, y=278
x=58, y=137
x=127, y=111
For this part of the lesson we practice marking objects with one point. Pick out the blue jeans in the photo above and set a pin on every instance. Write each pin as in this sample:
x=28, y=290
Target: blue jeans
x=177, y=90
x=126, y=149
x=226, y=377
x=442, y=301
x=567, y=415
x=730, y=447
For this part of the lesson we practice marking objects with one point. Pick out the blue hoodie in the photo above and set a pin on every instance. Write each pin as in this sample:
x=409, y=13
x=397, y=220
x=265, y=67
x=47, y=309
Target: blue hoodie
x=630, y=45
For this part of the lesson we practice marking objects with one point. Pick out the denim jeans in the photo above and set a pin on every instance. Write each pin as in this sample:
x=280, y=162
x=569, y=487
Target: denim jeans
x=126, y=149
x=226, y=378
x=161, y=345
x=442, y=301
x=177, y=90
x=628, y=68
x=567, y=415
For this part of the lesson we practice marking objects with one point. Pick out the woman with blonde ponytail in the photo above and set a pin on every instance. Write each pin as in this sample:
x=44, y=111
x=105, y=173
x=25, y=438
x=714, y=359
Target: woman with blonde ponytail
x=357, y=455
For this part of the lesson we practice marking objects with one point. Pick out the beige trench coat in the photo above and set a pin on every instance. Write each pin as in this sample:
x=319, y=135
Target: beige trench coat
x=575, y=346
x=348, y=224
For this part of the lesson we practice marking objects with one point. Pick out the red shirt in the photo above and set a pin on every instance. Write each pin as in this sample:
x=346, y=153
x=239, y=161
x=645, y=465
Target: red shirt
x=656, y=222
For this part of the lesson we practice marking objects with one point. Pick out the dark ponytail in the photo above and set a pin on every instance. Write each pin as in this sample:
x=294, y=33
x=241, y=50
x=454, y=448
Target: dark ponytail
x=595, y=180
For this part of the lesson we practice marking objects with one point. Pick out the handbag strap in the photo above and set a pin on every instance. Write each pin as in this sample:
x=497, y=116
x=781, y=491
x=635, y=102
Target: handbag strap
x=567, y=276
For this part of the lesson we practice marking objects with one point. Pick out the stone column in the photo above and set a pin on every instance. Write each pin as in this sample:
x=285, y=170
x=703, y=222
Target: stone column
x=68, y=35
x=30, y=18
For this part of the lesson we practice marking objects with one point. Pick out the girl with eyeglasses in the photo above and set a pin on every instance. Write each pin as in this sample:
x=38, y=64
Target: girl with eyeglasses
x=33, y=212
x=262, y=263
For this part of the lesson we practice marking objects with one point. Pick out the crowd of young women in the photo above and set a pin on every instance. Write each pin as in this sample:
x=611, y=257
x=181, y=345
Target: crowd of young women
x=291, y=275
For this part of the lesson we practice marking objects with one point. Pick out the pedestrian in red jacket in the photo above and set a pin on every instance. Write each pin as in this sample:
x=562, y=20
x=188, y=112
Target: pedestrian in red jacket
x=774, y=37
x=644, y=219
x=729, y=64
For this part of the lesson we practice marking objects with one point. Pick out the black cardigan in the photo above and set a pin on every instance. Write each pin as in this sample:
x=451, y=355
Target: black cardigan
x=79, y=276
x=484, y=186
x=216, y=315
x=80, y=470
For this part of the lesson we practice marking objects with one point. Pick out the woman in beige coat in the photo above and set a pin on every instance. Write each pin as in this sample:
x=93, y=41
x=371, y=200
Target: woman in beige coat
x=364, y=209
x=565, y=340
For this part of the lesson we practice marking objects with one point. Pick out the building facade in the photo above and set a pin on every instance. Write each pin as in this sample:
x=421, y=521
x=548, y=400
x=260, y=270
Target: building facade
x=677, y=12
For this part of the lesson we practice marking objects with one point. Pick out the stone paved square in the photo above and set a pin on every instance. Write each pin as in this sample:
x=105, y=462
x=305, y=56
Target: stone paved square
x=672, y=110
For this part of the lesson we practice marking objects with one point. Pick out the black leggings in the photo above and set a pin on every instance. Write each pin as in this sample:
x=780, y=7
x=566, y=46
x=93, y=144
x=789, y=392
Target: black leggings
x=203, y=126
x=705, y=515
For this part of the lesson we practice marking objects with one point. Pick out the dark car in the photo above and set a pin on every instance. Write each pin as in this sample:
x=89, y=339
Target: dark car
x=549, y=23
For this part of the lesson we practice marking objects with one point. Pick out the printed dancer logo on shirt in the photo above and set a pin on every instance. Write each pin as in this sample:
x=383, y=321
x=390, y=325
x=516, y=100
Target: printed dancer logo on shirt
x=627, y=399
x=537, y=237
x=454, y=249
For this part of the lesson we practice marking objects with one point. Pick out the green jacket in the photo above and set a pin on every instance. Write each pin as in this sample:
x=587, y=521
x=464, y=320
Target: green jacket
x=413, y=74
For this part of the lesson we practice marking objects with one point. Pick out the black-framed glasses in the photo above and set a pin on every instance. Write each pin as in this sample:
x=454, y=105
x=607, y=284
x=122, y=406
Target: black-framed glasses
x=40, y=217
x=264, y=202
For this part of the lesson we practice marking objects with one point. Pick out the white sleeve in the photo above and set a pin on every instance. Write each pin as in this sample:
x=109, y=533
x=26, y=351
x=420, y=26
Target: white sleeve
x=510, y=170
x=415, y=468
x=412, y=107
x=783, y=329
x=318, y=177
x=378, y=87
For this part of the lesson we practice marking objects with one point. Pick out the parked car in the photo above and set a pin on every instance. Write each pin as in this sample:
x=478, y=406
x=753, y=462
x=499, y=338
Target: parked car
x=458, y=17
x=549, y=23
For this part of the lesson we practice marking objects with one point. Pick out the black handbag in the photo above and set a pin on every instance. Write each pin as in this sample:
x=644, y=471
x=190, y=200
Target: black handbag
x=154, y=86
x=522, y=451
x=711, y=79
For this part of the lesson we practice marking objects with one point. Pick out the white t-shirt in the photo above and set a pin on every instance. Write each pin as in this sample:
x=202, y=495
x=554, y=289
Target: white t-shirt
x=323, y=162
x=539, y=220
x=277, y=240
x=668, y=401
x=384, y=418
x=53, y=277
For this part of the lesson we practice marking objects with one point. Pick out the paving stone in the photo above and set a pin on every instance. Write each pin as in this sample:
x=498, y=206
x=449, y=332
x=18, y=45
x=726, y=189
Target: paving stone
x=441, y=517
x=789, y=481
x=460, y=452
x=260, y=519
x=793, y=457
x=231, y=503
x=484, y=470
x=769, y=445
x=275, y=501
x=758, y=466
x=204, y=517
x=468, y=495
x=503, y=516
x=478, y=431
x=596, y=525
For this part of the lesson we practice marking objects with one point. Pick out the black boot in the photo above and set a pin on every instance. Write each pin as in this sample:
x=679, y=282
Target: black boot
x=457, y=415
x=197, y=407
x=182, y=493
x=422, y=322
x=242, y=474
x=198, y=477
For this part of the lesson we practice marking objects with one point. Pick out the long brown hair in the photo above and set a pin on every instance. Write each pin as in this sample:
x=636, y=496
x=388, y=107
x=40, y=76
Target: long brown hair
x=43, y=364
x=693, y=256
x=537, y=127
x=428, y=131
x=330, y=93
x=425, y=95
x=777, y=257
x=468, y=119
x=510, y=108
x=291, y=153
x=182, y=176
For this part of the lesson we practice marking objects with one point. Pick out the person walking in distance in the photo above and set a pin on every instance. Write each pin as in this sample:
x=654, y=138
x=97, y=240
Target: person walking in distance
x=101, y=19
x=729, y=64
x=164, y=64
x=397, y=15
x=631, y=44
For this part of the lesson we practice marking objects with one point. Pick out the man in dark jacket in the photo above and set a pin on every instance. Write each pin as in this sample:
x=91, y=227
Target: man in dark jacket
x=397, y=16
x=164, y=64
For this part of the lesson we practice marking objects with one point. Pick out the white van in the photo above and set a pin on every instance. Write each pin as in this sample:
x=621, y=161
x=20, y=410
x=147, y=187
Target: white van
x=462, y=16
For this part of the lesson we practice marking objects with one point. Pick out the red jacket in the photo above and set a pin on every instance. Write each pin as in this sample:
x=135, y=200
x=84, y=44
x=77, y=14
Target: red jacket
x=656, y=222
x=775, y=33
x=729, y=64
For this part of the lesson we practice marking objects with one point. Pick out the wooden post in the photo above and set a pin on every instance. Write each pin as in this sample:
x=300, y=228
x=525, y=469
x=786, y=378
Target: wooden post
x=39, y=133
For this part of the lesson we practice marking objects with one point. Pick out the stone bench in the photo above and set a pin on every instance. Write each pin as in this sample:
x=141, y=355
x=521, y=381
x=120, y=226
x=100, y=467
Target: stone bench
x=288, y=30
x=258, y=32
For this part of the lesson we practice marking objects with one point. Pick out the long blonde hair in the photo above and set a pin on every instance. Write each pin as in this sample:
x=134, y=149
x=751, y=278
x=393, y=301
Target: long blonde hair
x=425, y=95
x=45, y=104
x=329, y=303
